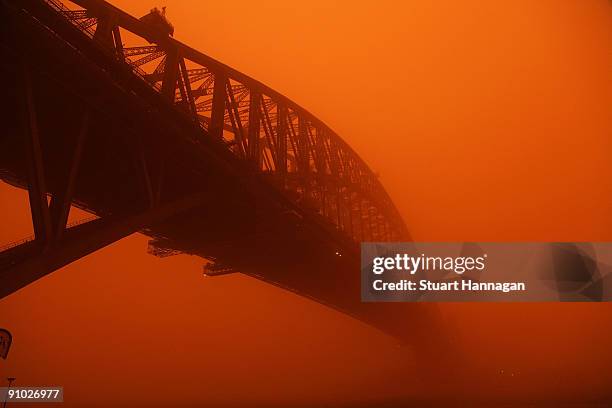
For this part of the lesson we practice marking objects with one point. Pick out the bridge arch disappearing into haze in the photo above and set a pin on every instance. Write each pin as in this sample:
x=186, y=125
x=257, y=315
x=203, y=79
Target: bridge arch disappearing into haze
x=118, y=118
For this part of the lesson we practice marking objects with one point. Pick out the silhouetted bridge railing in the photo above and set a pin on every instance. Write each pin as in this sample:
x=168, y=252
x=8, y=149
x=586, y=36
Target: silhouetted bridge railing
x=115, y=116
x=32, y=237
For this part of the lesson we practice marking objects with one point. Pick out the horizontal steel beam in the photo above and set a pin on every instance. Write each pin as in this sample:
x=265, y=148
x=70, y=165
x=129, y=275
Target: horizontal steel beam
x=84, y=239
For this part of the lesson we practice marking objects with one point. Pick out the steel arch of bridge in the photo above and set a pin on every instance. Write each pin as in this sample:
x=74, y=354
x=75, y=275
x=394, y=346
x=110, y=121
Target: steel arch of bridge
x=158, y=138
x=279, y=139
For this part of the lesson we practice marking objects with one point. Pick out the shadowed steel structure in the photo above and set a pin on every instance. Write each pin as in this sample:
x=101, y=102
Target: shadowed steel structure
x=115, y=116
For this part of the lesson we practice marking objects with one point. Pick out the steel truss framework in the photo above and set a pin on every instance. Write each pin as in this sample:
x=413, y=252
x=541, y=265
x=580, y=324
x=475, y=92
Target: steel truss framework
x=159, y=138
x=299, y=153
x=289, y=149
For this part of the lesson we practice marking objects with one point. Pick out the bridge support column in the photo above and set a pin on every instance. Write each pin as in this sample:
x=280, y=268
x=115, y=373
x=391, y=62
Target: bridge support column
x=171, y=70
x=41, y=218
x=234, y=115
x=303, y=155
x=187, y=86
x=254, y=128
x=217, y=116
x=118, y=42
x=104, y=31
x=281, y=143
x=61, y=201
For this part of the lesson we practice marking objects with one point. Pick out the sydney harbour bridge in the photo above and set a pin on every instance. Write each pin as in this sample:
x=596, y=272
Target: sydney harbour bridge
x=111, y=114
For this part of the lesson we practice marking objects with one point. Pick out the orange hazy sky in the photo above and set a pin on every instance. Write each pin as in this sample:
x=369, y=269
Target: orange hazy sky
x=486, y=121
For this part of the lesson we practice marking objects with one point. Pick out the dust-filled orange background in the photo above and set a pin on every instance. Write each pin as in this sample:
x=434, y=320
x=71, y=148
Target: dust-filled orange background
x=486, y=120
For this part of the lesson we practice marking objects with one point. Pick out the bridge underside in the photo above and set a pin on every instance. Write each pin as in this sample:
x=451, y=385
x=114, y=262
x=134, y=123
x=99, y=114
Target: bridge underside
x=76, y=134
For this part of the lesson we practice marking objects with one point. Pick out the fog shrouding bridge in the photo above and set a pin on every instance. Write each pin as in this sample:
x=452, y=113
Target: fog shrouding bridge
x=111, y=114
